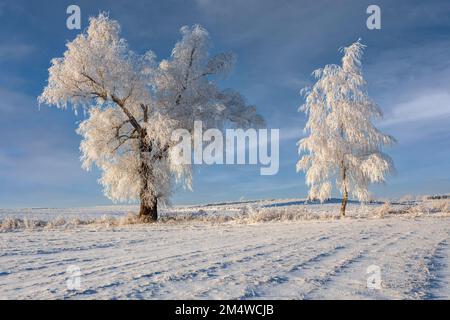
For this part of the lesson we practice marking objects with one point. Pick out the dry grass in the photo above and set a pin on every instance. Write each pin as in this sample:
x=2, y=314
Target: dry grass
x=247, y=215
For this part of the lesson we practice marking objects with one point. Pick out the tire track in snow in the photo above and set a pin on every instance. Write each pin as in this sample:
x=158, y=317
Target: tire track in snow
x=303, y=259
x=312, y=275
x=350, y=275
x=312, y=262
x=438, y=280
x=224, y=270
x=215, y=269
x=124, y=266
x=397, y=260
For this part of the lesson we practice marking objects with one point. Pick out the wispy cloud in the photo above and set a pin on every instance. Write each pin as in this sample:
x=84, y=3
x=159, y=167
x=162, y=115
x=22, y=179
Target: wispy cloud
x=14, y=103
x=15, y=51
x=425, y=107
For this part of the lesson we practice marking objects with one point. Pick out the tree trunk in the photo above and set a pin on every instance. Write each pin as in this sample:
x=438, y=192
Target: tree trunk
x=345, y=195
x=344, y=202
x=148, y=211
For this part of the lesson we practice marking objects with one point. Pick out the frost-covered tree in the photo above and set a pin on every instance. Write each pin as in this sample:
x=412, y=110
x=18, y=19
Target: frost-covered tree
x=342, y=144
x=133, y=104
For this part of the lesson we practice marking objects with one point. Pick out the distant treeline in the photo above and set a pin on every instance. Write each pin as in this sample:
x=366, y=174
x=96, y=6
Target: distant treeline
x=438, y=197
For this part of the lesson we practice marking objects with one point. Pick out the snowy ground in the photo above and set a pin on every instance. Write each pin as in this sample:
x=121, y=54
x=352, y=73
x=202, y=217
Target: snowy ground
x=316, y=257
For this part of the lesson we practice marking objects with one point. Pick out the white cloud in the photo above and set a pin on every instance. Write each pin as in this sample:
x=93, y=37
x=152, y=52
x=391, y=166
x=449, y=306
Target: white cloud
x=13, y=101
x=14, y=51
x=424, y=107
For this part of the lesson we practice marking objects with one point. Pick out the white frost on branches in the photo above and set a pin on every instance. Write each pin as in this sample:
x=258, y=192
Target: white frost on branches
x=185, y=92
x=133, y=104
x=343, y=144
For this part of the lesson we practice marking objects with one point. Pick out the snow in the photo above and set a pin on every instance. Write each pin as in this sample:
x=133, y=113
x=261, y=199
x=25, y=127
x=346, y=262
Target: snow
x=320, y=257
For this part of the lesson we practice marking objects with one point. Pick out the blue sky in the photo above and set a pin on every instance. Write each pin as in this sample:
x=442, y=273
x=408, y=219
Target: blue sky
x=278, y=44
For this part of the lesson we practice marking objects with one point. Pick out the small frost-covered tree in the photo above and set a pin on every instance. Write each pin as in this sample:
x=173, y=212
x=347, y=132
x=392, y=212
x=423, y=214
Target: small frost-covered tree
x=133, y=105
x=343, y=144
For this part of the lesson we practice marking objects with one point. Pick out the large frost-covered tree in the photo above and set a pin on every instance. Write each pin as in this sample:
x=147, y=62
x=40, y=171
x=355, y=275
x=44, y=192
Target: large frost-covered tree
x=133, y=104
x=343, y=144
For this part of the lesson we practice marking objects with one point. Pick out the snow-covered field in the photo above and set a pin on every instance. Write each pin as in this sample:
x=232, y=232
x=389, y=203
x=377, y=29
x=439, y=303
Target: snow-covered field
x=281, y=249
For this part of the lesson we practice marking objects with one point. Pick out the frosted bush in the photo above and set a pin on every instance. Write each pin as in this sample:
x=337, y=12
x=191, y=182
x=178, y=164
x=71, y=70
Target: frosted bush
x=429, y=207
x=417, y=210
x=258, y=215
x=11, y=224
x=79, y=222
x=128, y=219
x=33, y=224
x=383, y=210
x=441, y=206
x=106, y=221
x=58, y=222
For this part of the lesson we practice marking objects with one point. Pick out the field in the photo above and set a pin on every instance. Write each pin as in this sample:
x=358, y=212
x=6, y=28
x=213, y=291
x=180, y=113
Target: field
x=273, y=249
